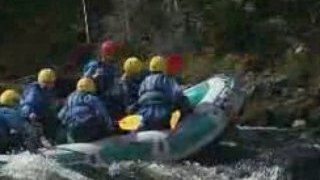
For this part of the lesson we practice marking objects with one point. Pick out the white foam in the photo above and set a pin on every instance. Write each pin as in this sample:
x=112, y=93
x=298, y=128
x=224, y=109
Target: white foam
x=35, y=167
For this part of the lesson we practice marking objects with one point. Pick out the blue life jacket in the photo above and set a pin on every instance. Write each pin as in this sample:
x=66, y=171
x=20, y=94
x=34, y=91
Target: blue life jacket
x=82, y=107
x=159, y=95
x=36, y=100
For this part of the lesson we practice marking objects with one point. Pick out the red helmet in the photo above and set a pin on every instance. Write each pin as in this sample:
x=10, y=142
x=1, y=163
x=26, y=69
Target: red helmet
x=108, y=48
x=174, y=64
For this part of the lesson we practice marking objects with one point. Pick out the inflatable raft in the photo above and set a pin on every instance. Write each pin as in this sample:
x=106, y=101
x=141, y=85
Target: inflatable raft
x=214, y=101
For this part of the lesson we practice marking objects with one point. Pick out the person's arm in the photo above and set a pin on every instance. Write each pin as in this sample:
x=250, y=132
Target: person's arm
x=176, y=90
x=135, y=106
x=90, y=69
x=27, y=103
x=62, y=113
x=34, y=137
x=180, y=100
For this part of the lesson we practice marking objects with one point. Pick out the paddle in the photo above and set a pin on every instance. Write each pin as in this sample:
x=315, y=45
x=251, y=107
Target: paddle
x=175, y=117
x=132, y=122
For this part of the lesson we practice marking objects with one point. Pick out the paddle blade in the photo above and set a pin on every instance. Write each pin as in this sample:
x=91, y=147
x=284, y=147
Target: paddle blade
x=175, y=117
x=130, y=123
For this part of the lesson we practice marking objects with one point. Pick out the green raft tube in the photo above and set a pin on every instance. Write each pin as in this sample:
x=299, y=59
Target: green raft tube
x=213, y=100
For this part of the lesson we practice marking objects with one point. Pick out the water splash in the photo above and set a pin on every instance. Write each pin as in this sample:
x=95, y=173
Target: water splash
x=195, y=171
x=267, y=155
x=33, y=167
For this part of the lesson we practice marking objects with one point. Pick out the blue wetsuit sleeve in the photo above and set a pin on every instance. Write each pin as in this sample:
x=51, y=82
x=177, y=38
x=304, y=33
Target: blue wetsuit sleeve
x=176, y=90
x=62, y=113
x=179, y=100
x=90, y=69
x=143, y=87
x=27, y=103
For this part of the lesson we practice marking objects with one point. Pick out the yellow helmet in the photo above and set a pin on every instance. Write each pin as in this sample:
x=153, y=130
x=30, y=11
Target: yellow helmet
x=47, y=75
x=9, y=97
x=157, y=63
x=86, y=84
x=132, y=66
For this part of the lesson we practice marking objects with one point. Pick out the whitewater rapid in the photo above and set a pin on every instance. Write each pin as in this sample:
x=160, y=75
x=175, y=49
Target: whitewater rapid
x=250, y=154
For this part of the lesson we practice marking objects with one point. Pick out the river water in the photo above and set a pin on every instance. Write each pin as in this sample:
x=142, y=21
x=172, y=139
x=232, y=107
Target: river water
x=245, y=154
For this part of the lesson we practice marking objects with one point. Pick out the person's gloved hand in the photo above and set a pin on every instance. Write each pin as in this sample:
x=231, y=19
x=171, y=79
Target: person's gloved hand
x=32, y=117
x=45, y=143
x=95, y=75
x=98, y=72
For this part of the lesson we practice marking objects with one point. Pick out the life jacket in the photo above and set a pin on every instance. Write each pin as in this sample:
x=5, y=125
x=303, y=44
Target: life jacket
x=40, y=102
x=153, y=98
x=79, y=113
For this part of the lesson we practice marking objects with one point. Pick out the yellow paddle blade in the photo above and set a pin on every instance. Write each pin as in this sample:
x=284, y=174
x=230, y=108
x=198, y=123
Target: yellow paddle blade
x=130, y=123
x=175, y=117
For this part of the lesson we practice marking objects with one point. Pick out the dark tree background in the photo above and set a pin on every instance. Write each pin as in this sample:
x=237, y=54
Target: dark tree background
x=34, y=33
